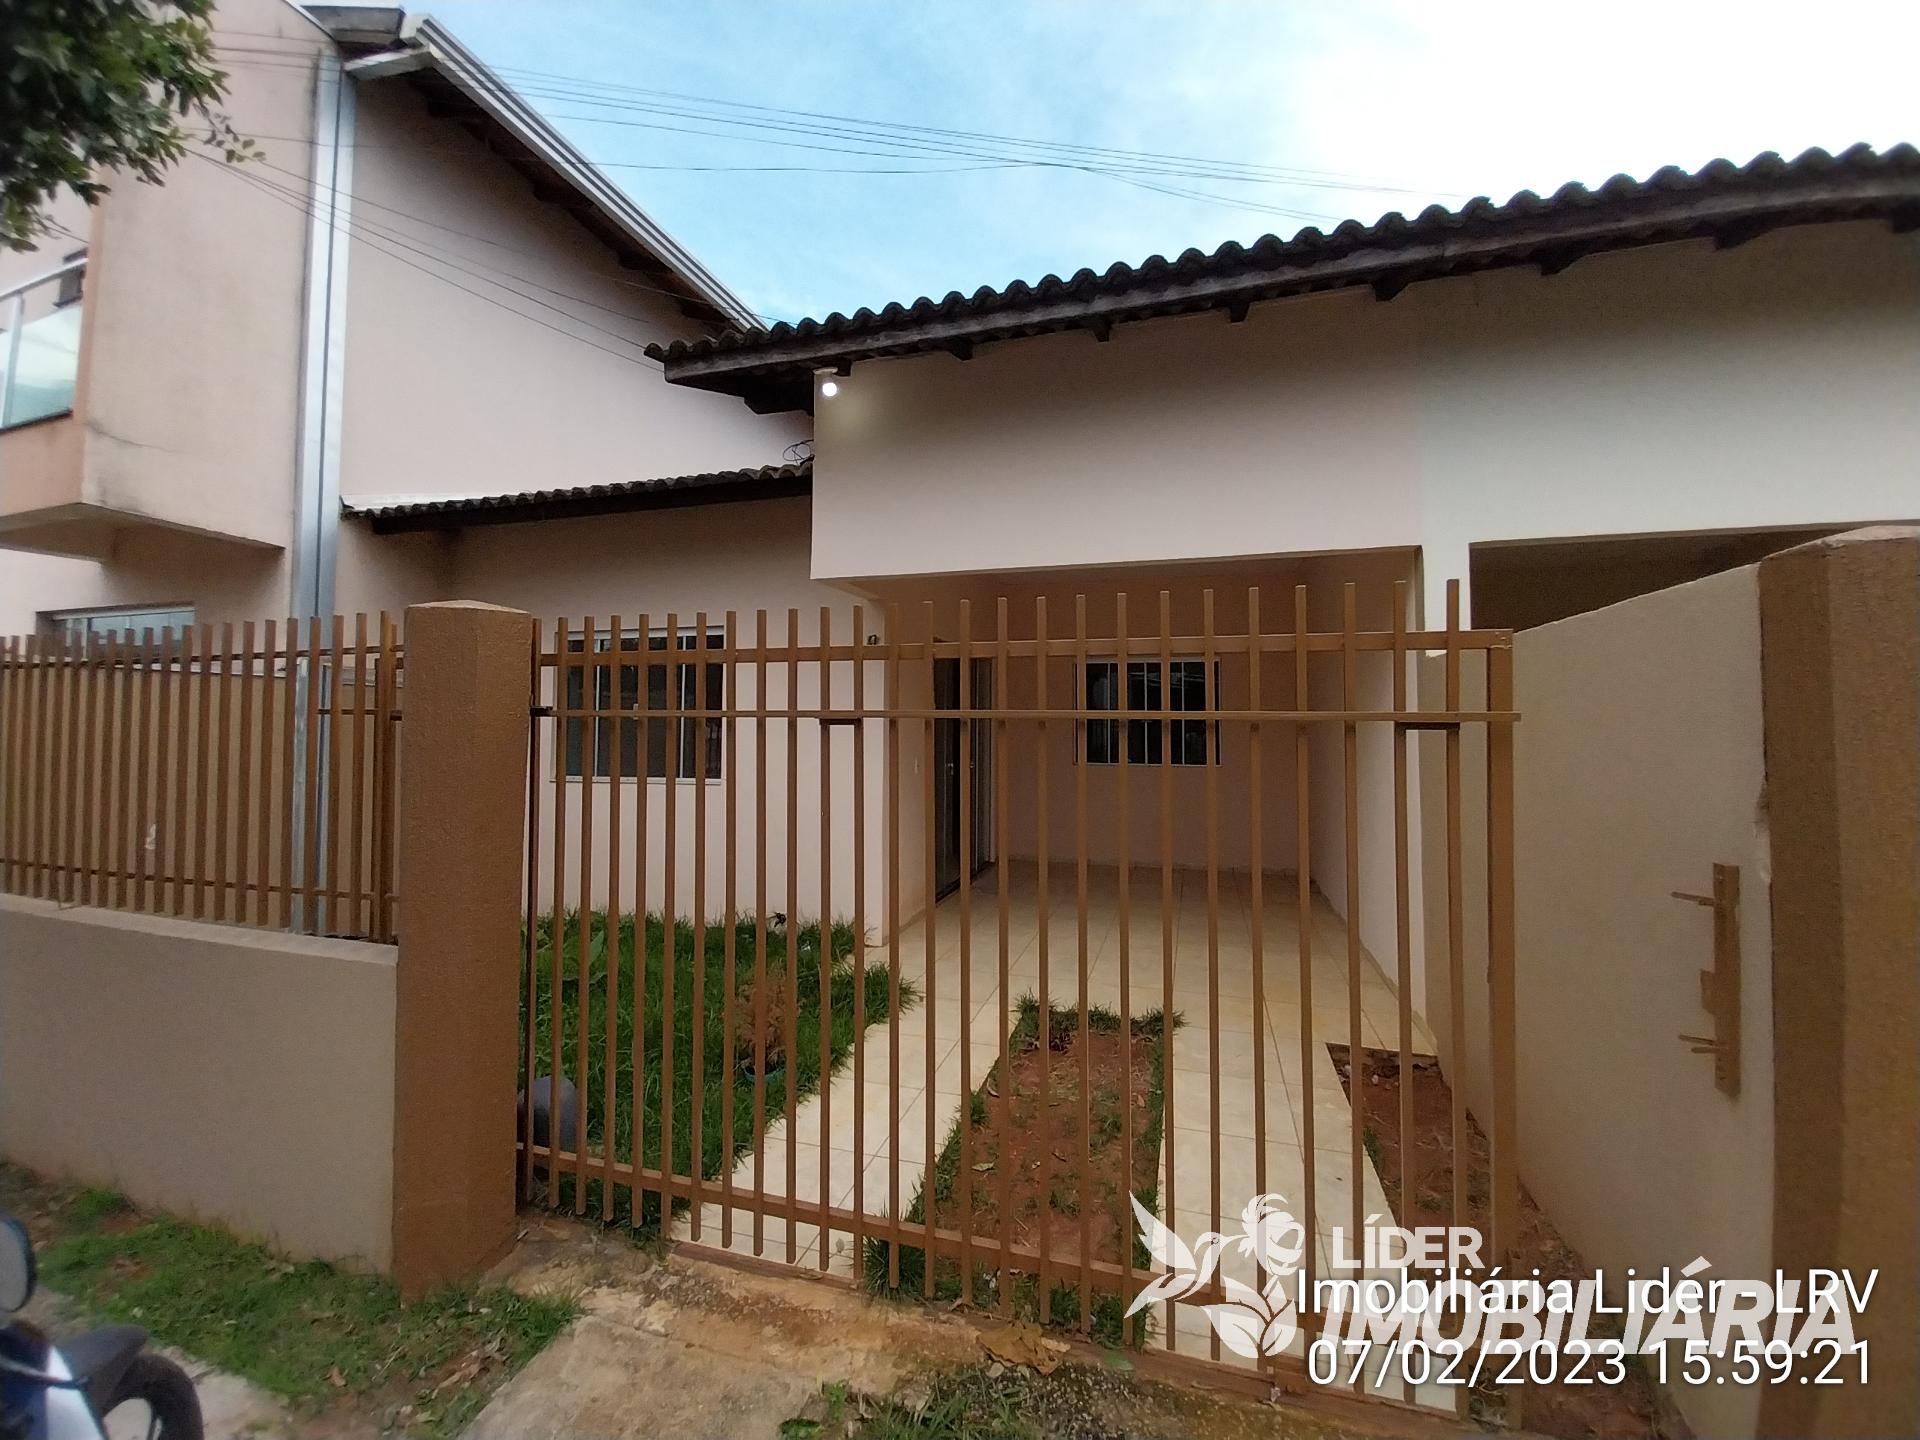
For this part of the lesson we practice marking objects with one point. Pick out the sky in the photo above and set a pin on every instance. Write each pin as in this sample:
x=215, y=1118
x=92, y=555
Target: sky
x=1305, y=113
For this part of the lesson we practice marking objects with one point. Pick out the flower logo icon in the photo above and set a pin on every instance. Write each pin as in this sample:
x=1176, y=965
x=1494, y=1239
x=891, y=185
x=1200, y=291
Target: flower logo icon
x=1249, y=1322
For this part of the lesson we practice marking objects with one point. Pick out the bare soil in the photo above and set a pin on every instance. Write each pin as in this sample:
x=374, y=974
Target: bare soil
x=1419, y=1185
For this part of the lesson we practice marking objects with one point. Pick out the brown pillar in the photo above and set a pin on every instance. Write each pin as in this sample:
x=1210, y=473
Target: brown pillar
x=1840, y=660
x=464, y=719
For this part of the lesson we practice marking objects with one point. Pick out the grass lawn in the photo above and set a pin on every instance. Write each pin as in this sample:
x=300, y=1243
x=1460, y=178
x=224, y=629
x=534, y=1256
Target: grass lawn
x=1034, y=1215
x=726, y=1061
x=337, y=1346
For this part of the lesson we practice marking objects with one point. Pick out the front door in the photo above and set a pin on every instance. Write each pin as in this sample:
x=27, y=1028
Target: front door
x=950, y=789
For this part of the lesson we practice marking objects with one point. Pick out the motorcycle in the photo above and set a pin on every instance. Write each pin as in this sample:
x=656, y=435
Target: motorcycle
x=68, y=1391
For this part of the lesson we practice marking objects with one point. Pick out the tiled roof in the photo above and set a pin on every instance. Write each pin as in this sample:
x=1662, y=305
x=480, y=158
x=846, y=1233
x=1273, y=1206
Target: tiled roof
x=773, y=368
x=455, y=512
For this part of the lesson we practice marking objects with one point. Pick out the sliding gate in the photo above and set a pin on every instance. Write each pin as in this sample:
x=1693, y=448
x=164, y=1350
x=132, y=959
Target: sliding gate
x=1211, y=888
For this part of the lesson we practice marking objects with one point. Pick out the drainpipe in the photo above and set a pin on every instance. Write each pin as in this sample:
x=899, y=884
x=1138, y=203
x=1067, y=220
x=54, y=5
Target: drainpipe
x=316, y=519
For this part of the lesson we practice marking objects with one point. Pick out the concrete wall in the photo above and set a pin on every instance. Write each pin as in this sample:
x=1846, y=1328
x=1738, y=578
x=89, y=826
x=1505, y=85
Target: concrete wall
x=741, y=558
x=1639, y=763
x=238, y=1077
x=1673, y=388
x=449, y=392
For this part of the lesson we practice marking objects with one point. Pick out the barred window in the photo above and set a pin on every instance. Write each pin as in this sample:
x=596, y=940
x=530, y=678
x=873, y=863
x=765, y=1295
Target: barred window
x=679, y=747
x=1148, y=740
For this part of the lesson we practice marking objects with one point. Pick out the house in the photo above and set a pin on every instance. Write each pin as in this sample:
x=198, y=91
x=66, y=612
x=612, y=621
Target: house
x=1278, y=459
x=419, y=289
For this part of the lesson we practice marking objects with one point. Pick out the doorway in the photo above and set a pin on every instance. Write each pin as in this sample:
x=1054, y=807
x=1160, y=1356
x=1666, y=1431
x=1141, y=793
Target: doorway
x=950, y=789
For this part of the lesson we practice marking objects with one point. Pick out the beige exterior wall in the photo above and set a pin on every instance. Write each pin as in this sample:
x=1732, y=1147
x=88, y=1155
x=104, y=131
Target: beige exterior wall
x=235, y=1076
x=448, y=392
x=1639, y=763
x=1672, y=388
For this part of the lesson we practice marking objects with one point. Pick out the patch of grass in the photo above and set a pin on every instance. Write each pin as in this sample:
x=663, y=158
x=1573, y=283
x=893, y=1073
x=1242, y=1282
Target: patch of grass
x=1371, y=1143
x=725, y=1058
x=316, y=1336
x=1062, y=1305
x=959, y=1406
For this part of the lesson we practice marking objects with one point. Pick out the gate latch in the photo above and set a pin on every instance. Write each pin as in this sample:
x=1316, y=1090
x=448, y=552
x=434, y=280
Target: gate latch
x=1720, y=986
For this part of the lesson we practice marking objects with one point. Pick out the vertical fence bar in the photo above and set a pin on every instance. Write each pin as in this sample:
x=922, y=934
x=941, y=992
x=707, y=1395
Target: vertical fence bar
x=1043, y=859
x=262, y=870
x=1123, y=837
x=40, y=652
x=1500, y=954
x=1083, y=1036
x=142, y=776
x=642, y=839
x=895, y=841
x=1303, y=904
x=182, y=768
x=931, y=755
x=759, y=931
x=388, y=818
x=859, y=940
x=642, y=924
x=1209, y=732
x=1456, y=913
x=310, y=754
x=730, y=797
x=565, y=719
x=642, y=784
x=1356, y=1042
x=243, y=780
x=12, y=674
x=696, y=1050
x=356, y=887
x=610, y=1046
x=288, y=787
x=160, y=851
x=1001, y=701
x=792, y=1008
x=90, y=677
x=63, y=750
x=1256, y=889
x=1163, y=726
x=336, y=766
x=204, y=779
x=963, y=759
x=220, y=793
x=530, y=904
x=1403, y=904
x=825, y=955
x=116, y=859
x=583, y=911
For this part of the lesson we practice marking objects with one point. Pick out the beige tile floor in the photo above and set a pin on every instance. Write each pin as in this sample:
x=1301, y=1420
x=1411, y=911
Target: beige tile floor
x=1226, y=1031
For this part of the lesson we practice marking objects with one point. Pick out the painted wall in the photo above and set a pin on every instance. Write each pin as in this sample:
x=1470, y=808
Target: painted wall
x=235, y=1076
x=1638, y=764
x=1673, y=388
x=452, y=392
x=719, y=558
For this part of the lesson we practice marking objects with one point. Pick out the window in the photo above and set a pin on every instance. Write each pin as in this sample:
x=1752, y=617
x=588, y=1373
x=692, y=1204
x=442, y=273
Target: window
x=1146, y=739
x=81, y=625
x=693, y=741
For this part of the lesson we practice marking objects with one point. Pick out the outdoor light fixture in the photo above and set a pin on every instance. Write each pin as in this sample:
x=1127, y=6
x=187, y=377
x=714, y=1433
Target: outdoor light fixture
x=829, y=388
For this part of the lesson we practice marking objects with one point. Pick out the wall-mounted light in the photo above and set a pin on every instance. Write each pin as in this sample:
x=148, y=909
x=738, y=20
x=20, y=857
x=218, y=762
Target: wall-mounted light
x=829, y=388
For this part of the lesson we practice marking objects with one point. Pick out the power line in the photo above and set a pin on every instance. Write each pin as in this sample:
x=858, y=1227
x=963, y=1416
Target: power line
x=556, y=83
x=272, y=193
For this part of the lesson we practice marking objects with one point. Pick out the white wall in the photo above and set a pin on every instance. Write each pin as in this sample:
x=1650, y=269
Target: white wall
x=1672, y=388
x=1638, y=764
x=450, y=392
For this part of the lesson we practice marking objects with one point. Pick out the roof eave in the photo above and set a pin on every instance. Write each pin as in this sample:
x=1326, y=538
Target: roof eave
x=423, y=42
x=783, y=365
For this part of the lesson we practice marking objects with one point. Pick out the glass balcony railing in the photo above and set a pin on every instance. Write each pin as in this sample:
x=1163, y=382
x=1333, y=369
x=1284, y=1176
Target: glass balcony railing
x=40, y=345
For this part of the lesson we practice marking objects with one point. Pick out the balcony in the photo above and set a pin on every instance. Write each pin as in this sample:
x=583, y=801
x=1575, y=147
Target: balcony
x=40, y=362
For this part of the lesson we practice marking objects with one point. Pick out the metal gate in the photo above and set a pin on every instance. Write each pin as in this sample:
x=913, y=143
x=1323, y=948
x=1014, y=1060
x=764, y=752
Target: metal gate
x=1206, y=863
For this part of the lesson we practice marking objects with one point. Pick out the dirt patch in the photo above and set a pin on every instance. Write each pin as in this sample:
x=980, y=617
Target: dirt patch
x=1042, y=1150
x=1419, y=1183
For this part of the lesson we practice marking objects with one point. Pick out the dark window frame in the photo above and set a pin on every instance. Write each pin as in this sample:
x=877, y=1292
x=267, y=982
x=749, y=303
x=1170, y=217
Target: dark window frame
x=659, y=734
x=1147, y=742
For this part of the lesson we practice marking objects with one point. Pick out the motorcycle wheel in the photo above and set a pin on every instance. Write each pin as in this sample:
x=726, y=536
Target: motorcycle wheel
x=173, y=1409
